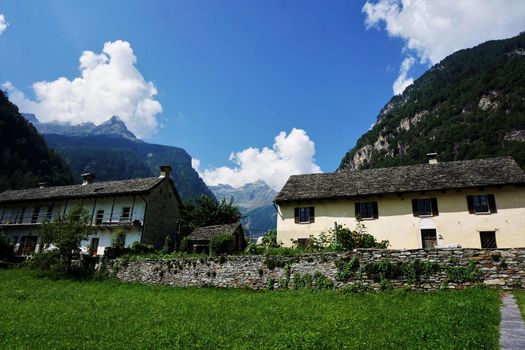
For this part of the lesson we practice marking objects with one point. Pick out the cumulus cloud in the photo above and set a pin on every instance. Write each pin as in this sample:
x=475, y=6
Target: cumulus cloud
x=109, y=84
x=403, y=80
x=290, y=154
x=3, y=23
x=432, y=30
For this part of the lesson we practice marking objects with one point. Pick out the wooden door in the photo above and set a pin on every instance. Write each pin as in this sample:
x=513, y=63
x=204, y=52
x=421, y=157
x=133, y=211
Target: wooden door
x=429, y=238
x=27, y=245
x=93, y=246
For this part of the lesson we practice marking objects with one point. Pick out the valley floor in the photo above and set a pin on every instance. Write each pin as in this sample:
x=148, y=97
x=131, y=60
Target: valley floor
x=38, y=313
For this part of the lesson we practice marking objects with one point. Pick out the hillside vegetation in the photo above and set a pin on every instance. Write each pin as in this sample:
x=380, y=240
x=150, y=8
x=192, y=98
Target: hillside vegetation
x=116, y=158
x=470, y=105
x=25, y=159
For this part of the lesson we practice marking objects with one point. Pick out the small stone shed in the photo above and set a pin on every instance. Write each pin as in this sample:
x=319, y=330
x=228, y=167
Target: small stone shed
x=199, y=239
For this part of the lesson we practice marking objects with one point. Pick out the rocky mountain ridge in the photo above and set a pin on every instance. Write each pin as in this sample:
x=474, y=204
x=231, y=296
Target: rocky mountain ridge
x=114, y=126
x=255, y=200
x=112, y=152
x=470, y=105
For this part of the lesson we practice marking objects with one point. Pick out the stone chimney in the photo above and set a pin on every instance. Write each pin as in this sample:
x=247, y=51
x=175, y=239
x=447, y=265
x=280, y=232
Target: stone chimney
x=165, y=171
x=432, y=158
x=88, y=178
x=42, y=184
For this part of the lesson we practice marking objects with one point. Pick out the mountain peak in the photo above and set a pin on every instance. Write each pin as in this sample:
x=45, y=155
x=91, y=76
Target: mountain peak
x=114, y=126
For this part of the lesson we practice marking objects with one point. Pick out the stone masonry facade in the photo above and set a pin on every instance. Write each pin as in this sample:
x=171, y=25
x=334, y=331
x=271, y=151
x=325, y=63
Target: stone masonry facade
x=363, y=269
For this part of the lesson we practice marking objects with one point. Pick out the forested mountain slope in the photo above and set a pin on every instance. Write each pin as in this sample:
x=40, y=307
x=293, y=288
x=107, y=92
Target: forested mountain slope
x=112, y=152
x=470, y=105
x=25, y=159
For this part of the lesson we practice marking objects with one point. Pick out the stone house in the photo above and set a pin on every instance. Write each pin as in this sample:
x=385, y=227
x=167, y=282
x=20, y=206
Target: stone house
x=145, y=210
x=199, y=239
x=473, y=203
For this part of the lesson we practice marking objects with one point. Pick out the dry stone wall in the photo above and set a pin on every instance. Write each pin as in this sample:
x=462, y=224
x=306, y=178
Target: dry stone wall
x=363, y=269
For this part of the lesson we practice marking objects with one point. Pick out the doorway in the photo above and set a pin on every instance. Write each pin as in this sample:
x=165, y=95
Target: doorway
x=93, y=246
x=27, y=245
x=428, y=238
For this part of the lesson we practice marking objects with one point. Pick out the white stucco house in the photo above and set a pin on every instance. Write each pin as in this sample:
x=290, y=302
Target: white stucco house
x=145, y=210
x=473, y=203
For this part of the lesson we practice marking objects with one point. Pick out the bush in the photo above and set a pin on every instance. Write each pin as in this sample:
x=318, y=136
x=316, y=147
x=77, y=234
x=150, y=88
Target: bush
x=7, y=251
x=138, y=248
x=118, y=240
x=222, y=244
x=185, y=245
x=49, y=262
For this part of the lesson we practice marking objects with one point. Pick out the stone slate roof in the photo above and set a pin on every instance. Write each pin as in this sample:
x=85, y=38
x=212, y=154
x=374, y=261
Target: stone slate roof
x=95, y=189
x=403, y=179
x=208, y=232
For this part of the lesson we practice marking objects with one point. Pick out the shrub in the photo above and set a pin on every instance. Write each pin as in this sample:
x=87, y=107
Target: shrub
x=254, y=249
x=346, y=268
x=460, y=274
x=118, y=241
x=138, y=248
x=49, y=262
x=7, y=251
x=222, y=244
x=185, y=245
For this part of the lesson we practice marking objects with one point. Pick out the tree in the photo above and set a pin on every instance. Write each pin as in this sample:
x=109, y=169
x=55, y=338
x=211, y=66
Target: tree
x=205, y=211
x=66, y=234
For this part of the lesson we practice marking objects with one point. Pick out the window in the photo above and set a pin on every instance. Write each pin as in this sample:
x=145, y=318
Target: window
x=302, y=242
x=425, y=207
x=366, y=210
x=20, y=216
x=125, y=214
x=488, y=239
x=36, y=214
x=479, y=204
x=99, y=217
x=49, y=212
x=428, y=238
x=304, y=215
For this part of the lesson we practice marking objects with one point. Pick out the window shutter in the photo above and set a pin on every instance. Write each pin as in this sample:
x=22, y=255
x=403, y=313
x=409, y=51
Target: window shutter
x=374, y=208
x=312, y=215
x=296, y=214
x=470, y=205
x=415, y=207
x=358, y=210
x=492, y=203
x=435, y=210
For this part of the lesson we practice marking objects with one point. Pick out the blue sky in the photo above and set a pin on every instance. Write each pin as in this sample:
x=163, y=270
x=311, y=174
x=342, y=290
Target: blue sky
x=230, y=75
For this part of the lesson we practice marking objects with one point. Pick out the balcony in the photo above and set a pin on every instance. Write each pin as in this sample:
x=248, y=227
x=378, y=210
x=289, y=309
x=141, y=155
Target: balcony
x=105, y=220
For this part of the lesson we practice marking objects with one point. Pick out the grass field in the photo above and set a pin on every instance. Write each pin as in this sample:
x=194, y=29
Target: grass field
x=520, y=299
x=39, y=313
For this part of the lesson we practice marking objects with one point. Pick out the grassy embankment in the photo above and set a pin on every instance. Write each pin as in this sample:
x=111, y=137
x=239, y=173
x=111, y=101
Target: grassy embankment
x=39, y=313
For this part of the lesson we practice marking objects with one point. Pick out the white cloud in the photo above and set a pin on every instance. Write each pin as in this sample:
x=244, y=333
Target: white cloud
x=402, y=80
x=432, y=30
x=196, y=164
x=3, y=23
x=291, y=154
x=109, y=84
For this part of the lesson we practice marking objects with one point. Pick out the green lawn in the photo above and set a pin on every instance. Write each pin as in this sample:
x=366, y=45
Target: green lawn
x=44, y=314
x=520, y=299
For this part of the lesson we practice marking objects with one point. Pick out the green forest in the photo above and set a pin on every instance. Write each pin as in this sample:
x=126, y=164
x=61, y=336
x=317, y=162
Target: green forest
x=25, y=159
x=469, y=104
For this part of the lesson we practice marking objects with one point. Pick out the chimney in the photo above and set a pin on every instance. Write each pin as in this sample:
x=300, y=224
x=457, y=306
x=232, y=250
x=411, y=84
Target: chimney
x=42, y=184
x=88, y=178
x=432, y=158
x=165, y=171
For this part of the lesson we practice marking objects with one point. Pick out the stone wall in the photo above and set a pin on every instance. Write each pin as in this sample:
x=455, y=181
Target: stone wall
x=363, y=269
